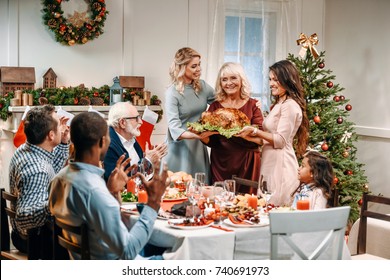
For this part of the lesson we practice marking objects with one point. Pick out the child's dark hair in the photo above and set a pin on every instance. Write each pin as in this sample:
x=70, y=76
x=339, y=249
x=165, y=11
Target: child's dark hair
x=322, y=170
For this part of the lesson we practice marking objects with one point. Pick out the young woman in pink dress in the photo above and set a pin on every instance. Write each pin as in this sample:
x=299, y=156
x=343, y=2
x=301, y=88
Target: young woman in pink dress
x=285, y=128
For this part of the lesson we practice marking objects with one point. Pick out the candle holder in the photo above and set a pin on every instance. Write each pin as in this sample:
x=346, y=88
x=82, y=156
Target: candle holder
x=116, y=92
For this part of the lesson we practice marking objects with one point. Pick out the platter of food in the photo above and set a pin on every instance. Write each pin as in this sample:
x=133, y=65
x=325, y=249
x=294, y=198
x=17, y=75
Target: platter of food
x=190, y=224
x=233, y=221
x=173, y=195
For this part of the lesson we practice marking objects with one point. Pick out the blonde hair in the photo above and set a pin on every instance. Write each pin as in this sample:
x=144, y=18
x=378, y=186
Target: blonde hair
x=235, y=69
x=178, y=68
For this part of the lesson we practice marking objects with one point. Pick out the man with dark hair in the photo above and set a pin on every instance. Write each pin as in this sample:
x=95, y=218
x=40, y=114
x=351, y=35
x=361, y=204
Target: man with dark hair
x=79, y=194
x=32, y=167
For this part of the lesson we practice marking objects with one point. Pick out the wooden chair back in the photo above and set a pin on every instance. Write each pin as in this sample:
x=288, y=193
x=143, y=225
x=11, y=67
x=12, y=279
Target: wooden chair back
x=6, y=211
x=60, y=240
x=245, y=185
x=365, y=213
x=331, y=220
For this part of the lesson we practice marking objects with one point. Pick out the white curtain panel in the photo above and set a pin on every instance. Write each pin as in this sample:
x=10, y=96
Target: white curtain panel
x=280, y=28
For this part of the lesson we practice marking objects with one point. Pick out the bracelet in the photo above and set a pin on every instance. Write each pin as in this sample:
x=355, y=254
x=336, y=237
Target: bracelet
x=254, y=133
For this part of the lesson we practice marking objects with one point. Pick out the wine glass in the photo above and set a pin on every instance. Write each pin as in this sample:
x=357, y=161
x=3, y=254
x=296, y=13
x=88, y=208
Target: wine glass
x=146, y=168
x=265, y=189
x=193, y=193
x=200, y=178
x=230, y=186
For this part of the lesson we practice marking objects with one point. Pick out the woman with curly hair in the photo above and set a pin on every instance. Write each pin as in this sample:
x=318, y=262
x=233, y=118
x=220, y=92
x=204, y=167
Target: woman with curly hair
x=186, y=99
x=285, y=128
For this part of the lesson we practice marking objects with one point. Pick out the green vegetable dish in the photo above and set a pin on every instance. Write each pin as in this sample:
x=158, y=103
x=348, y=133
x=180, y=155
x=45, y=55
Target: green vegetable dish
x=129, y=197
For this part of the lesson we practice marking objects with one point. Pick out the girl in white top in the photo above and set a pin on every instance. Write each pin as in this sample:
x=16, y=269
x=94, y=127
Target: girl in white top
x=316, y=177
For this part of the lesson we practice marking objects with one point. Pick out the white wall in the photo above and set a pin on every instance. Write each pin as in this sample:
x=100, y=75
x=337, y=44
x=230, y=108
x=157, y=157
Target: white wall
x=141, y=37
x=357, y=40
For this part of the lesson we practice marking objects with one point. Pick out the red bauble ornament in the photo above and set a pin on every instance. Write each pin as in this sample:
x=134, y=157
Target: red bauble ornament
x=342, y=97
x=329, y=84
x=340, y=120
x=360, y=202
x=75, y=101
x=96, y=94
x=349, y=172
x=336, y=98
x=335, y=180
x=321, y=65
x=324, y=147
x=62, y=27
x=348, y=107
x=1, y=106
x=316, y=119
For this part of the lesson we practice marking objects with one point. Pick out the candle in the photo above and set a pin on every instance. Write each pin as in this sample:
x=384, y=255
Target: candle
x=131, y=186
x=25, y=99
x=142, y=196
x=303, y=204
x=252, y=202
x=30, y=99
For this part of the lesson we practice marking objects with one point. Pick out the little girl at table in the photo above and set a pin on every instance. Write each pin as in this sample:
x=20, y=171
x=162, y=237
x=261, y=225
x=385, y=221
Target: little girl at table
x=316, y=177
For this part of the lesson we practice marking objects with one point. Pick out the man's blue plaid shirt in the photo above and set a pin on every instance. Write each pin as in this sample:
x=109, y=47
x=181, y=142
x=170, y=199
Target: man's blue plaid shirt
x=30, y=172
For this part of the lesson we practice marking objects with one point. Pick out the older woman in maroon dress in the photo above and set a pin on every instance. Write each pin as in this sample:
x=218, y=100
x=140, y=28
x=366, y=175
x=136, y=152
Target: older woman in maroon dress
x=234, y=156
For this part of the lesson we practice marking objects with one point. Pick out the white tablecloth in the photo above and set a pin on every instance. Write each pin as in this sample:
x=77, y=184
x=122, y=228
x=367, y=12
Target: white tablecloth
x=211, y=243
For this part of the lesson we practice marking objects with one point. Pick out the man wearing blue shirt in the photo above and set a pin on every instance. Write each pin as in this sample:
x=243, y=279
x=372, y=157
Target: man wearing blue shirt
x=79, y=194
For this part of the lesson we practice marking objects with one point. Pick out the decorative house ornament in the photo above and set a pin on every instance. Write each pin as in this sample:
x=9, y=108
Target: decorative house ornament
x=79, y=28
x=50, y=79
x=116, y=92
x=16, y=78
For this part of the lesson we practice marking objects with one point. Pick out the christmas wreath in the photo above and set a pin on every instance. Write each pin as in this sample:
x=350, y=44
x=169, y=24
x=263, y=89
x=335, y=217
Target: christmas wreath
x=78, y=28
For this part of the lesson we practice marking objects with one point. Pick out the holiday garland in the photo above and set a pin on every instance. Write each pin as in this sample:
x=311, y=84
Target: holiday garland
x=79, y=95
x=79, y=28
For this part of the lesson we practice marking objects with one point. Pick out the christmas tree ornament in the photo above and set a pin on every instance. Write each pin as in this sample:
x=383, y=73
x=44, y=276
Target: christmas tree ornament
x=96, y=94
x=348, y=107
x=336, y=98
x=342, y=97
x=360, y=202
x=317, y=119
x=324, y=147
x=345, y=154
x=321, y=65
x=340, y=120
x=329, y=84
x=335, y=180
x=308, y=43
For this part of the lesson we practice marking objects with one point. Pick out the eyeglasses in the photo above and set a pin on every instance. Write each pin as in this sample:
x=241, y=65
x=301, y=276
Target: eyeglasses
x=133, y=118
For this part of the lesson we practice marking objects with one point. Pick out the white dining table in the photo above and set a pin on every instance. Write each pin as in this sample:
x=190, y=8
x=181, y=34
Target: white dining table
x=244, y=243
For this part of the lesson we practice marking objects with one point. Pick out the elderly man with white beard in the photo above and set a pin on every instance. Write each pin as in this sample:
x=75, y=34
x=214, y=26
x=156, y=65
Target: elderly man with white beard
x=124, y=122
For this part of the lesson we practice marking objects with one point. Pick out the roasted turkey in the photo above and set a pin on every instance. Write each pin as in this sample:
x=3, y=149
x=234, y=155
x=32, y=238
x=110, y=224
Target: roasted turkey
x=226, y=121
x=226, y=118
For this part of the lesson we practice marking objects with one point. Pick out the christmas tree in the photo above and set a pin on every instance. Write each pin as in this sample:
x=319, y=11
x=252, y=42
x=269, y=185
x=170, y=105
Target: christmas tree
x=330, y=131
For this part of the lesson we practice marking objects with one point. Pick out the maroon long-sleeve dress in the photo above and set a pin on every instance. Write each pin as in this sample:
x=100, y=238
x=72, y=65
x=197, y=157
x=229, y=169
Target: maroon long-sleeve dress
x=236, y=156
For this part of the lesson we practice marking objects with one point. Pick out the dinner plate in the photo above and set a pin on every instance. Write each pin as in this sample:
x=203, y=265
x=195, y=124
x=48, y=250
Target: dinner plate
x=173, y=223
x=162, y=215
x=130, y=207
x=263, y=222
x=174, y=199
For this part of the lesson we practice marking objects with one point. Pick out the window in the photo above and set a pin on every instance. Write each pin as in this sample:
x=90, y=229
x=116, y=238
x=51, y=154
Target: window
x=246, y=43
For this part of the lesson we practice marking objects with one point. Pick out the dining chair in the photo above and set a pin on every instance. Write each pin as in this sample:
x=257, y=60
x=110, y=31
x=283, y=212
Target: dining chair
x=329, y=224
x=62, y=240
x=32, y=237
x=369, y=234
x=245, y=185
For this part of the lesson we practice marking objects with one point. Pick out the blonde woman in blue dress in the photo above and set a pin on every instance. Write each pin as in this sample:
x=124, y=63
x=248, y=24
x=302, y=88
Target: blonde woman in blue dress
x=185, y=100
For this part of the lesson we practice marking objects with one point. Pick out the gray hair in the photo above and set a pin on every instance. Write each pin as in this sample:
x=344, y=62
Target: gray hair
x=117, y=111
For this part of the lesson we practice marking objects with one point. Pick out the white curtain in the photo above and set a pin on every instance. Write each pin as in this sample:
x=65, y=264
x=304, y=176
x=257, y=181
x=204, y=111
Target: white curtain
x=280, y=30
